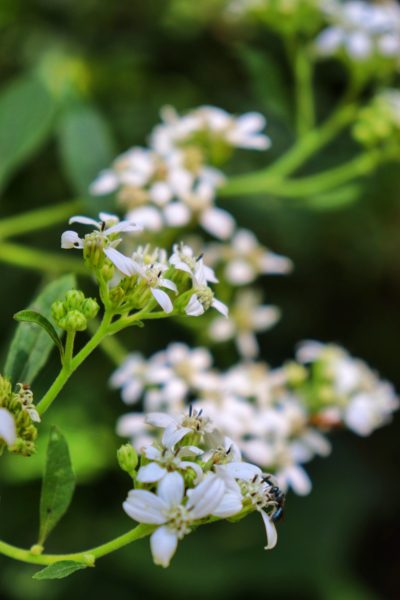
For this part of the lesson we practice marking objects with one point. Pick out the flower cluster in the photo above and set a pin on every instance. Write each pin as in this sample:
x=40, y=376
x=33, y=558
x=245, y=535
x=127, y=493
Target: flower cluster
x=73, y=313
x=174, y=181
x=277, y=417
x=342, y=390
x=142, y=278
x=190, y=475
x=362, y=32
x=17, y=417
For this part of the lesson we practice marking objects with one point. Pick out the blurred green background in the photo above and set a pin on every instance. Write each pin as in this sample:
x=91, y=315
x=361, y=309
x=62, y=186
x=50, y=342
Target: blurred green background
x=110, y=66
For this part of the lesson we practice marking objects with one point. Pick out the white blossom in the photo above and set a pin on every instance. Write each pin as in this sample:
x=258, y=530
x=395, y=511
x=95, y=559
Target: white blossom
x=8, y=431
x=167, y=510
x=246, y=317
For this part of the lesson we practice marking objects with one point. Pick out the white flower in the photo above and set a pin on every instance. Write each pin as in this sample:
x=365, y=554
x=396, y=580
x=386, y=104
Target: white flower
x=361, y=30
x=149, y=274
x=258, y=491
x=241, y=132
x=244, y=258
x=246, y=317
x=107, y=226
x=183, y=259
x=167, y=510
x=167, y=459
x=178, y=426
x=201, y=300
x=8, y=431
x=131, y=377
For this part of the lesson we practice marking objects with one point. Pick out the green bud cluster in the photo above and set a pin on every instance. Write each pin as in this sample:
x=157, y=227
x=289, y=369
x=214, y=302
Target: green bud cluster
x=73, y=313
x=378, y=124
x=20, y=405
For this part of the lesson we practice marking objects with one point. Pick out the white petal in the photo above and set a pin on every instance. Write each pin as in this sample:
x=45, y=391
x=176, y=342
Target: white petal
x=242, y=470
x=220, y=307
x=270, y=530
x=151, y=473
x=163, y=299
x=194, y=308
x=247, y=344
x=122, y=262
x=176, y=214
x=171, y=489
x=70, y=239
x=105, y=183
x=218, y=222
x=145, y=507
x=173, y=435
x=132, y=391
x=127, y=226
x=84, y=221
x=230, y=505
x=206, y=497
x=167, y=283
x=158, y=419
x=163, y=544
x=148, y=217
x=7, y=427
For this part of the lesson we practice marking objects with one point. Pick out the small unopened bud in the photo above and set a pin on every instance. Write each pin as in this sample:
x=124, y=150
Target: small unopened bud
x=127, y=458
x=74, y=321
x=74, y=299
x=90, y=308
x=107, y=271
x=296, y=374
x=58, y=310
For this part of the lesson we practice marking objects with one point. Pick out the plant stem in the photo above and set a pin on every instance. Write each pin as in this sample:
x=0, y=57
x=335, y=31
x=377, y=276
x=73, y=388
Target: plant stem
x=87, y=556
x=303, y=67
x=314, y=184
x=38, y=219
x=39, y=260
x=69, y=348
x=69, y=368
x=294, y=158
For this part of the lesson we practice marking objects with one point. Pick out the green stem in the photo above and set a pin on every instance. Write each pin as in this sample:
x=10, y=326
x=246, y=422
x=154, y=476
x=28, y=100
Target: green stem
x=303, y=66
x=38, y=219
x=68, y=369
x=111, y=346
x=294, y=158
x=69, y=348
x=314, y=184
x=88, y=556
x=39, y=260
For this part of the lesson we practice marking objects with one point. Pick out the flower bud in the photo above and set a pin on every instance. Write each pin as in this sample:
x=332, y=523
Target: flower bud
x=107, y=271
x=89, y=308
x=58, y=310
x=127, y=458
x=74, y=299
x=73, y=321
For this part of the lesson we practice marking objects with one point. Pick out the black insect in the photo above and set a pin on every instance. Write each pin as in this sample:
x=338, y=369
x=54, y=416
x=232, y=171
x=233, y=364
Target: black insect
x=277, y=497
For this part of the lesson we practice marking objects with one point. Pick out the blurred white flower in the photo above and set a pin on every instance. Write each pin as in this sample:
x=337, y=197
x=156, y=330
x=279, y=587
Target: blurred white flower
x=244, y=259
x=361, y=30
x=246, y=317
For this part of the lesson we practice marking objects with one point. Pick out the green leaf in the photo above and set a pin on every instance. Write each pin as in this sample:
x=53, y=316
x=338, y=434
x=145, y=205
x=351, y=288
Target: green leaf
x=86, y=146
x=31, y=346
x=31, y=316
x=336, y=199
x=58, y=484
x=60, y=569
x=26, y=116
x=269, y=87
